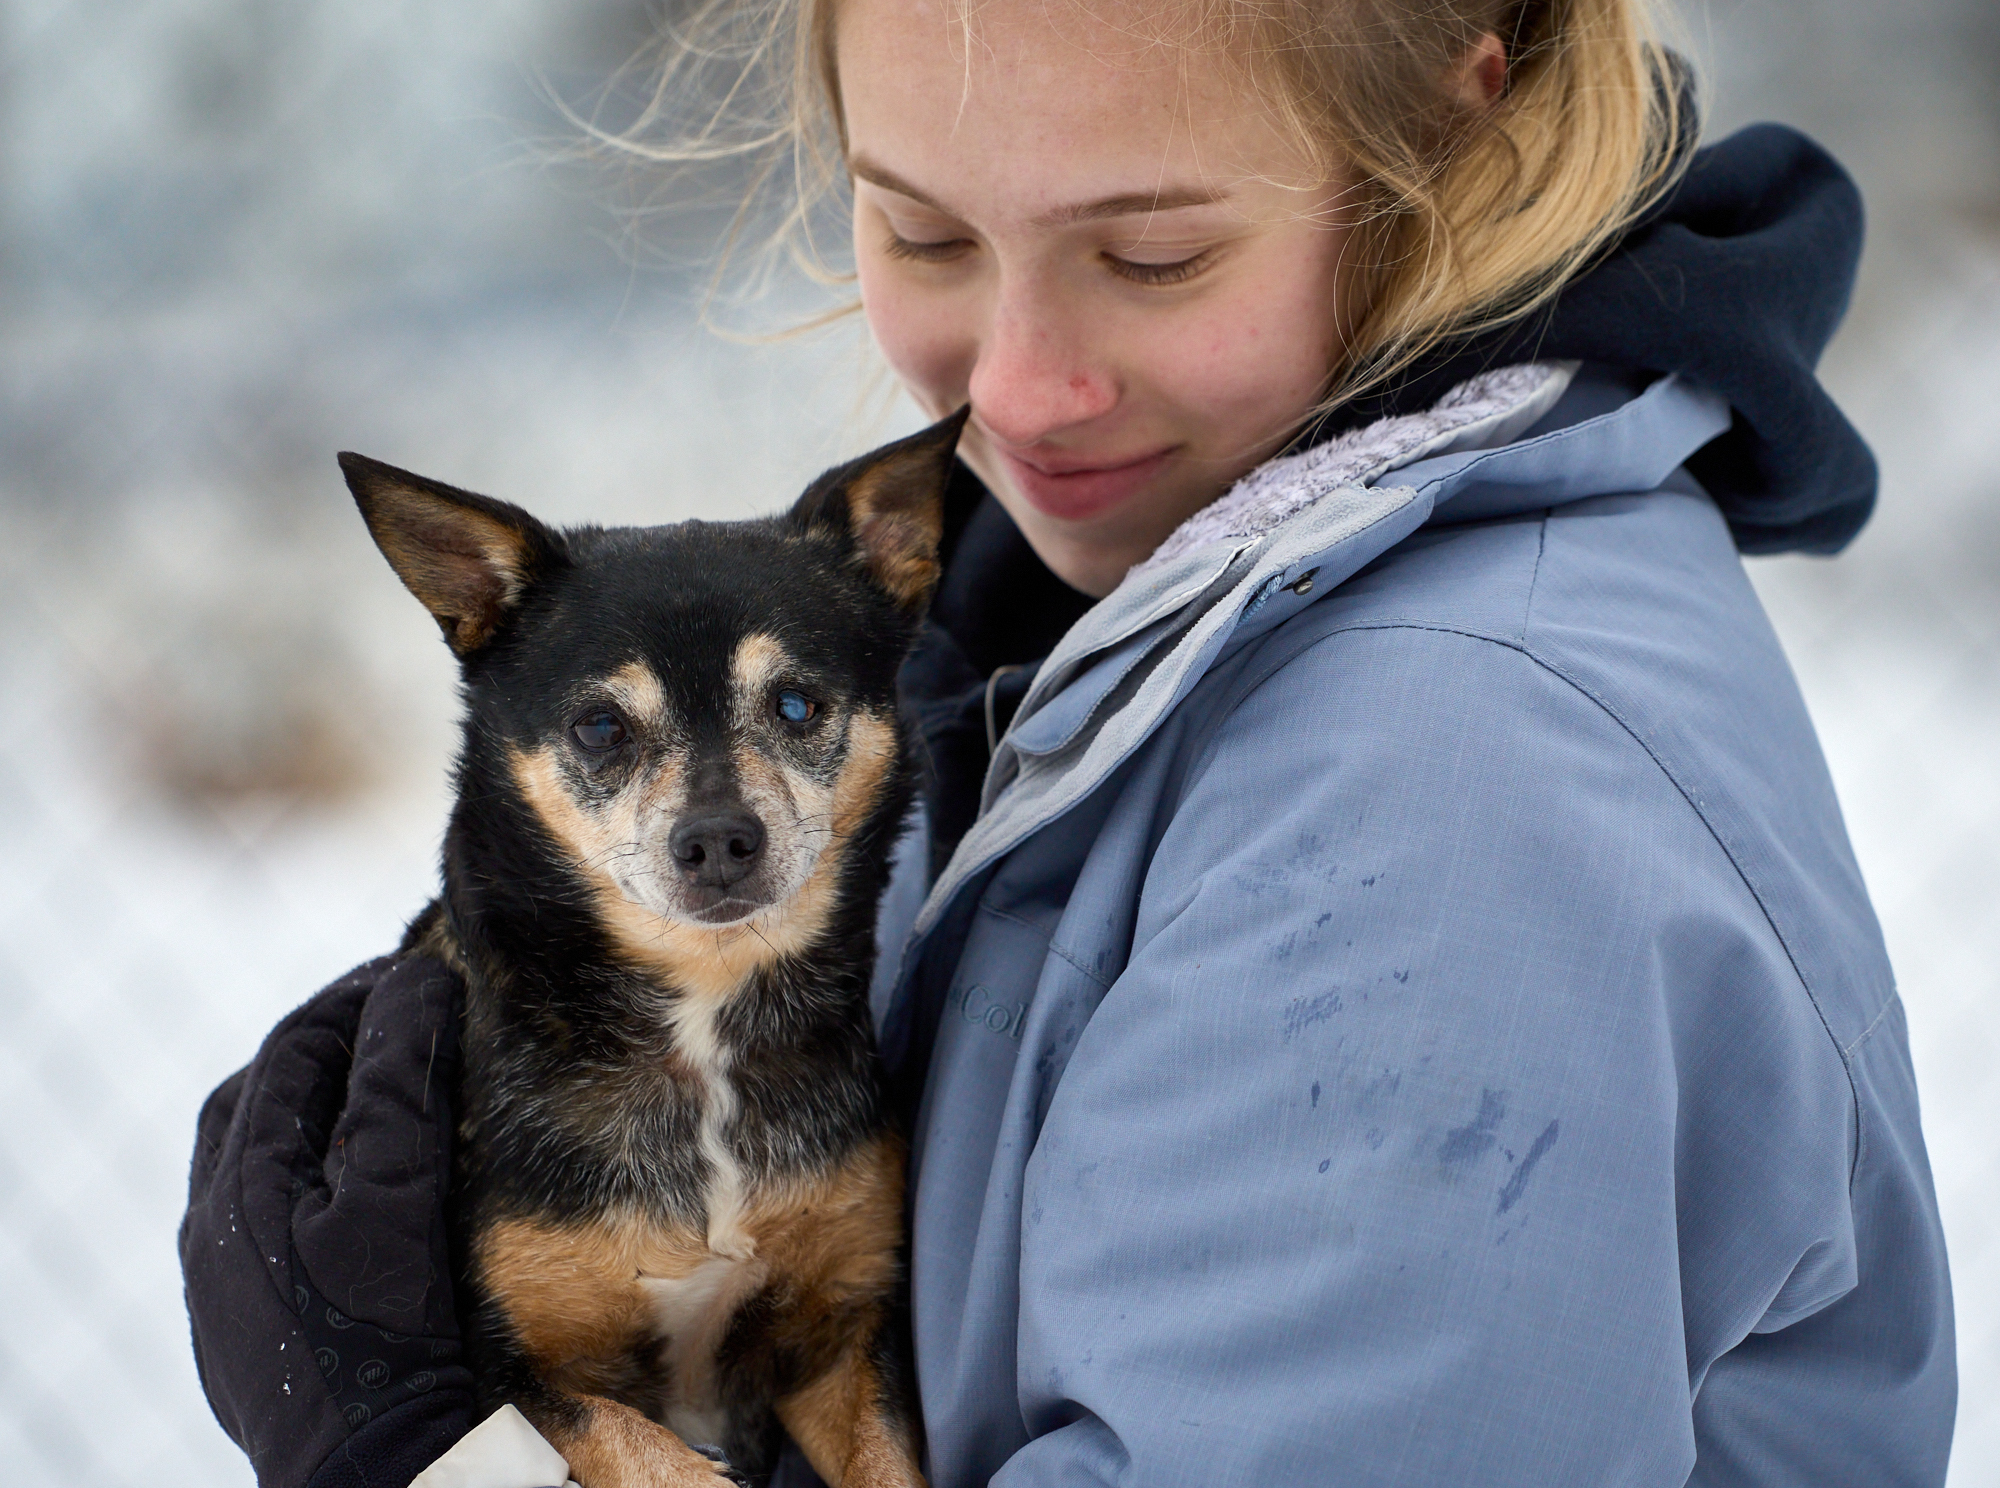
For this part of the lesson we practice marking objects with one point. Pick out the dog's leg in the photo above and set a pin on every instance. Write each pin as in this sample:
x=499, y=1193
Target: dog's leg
x=571, y=1290
x=852, y=1420
x=608, y=1445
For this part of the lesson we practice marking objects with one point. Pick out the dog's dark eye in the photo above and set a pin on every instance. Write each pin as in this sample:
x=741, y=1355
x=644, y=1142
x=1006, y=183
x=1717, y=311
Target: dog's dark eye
x=598, y=732
x=796, y=707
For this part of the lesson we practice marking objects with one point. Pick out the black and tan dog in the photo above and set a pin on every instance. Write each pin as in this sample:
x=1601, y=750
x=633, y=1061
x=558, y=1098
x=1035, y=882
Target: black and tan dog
x=677, y=1199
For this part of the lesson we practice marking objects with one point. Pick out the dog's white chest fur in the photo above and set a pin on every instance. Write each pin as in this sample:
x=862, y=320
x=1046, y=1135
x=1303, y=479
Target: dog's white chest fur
x=698, y=1043
x=693, y=1313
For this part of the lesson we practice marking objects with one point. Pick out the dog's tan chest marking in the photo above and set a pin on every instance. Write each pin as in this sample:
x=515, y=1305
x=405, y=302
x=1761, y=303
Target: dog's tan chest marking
x=582, y=1297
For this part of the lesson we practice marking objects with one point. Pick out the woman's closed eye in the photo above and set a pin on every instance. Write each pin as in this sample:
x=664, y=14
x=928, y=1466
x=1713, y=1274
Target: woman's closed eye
x=1135, y=271
x=925, y=250
x=1175, y=271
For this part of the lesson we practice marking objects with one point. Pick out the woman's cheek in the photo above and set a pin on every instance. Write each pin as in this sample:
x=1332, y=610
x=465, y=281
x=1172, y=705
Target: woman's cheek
x=1256, y=362
x=1219, y=367
x=918, y=333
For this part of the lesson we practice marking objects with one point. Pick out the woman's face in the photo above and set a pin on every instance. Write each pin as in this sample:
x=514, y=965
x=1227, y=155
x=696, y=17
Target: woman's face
x=1116, y=259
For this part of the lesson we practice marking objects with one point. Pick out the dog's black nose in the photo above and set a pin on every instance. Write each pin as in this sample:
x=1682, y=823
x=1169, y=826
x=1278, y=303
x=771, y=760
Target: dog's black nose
x=718, y=849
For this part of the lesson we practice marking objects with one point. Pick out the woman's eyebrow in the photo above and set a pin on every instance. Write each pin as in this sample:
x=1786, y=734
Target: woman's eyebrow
x=1129, y=204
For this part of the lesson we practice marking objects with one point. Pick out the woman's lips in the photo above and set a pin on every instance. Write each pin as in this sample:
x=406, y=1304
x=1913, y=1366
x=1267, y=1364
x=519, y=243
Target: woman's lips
x=1079, y=492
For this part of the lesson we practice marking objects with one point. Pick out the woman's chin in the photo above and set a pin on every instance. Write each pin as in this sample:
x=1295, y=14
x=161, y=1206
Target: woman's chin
x=1090, y=557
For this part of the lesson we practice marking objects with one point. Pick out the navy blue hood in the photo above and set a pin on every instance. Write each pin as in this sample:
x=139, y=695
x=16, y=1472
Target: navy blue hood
x=1736, y=280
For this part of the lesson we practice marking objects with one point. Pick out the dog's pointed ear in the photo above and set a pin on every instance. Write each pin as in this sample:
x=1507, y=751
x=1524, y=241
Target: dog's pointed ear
x=890, y=505
x=468, y=558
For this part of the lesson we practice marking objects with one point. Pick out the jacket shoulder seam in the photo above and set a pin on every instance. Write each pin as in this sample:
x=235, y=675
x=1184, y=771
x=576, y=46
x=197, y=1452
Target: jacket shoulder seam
x=1791, y=958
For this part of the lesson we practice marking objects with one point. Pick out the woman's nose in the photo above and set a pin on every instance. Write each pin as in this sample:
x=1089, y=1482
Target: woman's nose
x=1035, y=376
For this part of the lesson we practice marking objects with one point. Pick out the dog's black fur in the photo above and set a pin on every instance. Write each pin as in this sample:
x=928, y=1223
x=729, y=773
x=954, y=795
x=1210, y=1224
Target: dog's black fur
x=666, y=942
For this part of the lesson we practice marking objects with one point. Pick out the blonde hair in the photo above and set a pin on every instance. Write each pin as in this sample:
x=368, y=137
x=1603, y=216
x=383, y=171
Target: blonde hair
x=1472, y=218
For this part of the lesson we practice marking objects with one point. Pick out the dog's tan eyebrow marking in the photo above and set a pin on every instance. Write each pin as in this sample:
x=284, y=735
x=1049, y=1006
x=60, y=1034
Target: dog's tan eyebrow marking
x=636, y=688
x=757, y=662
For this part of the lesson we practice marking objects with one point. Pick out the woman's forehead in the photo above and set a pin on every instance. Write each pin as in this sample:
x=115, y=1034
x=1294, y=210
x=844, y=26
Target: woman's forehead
x=1043, y=111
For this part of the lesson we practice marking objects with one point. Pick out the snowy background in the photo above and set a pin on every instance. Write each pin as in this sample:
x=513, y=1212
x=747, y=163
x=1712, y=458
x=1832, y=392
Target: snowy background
x=237, y=235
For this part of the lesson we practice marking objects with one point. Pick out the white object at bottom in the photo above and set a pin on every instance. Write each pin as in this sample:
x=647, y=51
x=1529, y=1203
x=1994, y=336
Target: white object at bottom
x=502, y=1451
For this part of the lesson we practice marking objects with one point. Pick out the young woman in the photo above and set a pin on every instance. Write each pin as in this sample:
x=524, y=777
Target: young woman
x=1380, y=981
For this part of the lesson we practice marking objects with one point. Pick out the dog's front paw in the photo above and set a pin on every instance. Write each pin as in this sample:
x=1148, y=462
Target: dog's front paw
x=608, y=1445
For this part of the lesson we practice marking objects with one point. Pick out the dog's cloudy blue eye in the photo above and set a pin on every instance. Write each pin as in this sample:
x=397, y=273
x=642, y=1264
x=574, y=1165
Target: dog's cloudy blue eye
x=598, y=732
x=796, y=707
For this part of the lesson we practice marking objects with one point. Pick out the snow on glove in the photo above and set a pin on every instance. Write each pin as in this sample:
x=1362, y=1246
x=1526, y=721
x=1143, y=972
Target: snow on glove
x=314, y=1248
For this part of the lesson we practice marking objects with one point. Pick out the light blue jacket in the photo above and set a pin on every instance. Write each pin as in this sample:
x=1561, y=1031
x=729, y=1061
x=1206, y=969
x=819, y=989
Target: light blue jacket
x=1409, y=1013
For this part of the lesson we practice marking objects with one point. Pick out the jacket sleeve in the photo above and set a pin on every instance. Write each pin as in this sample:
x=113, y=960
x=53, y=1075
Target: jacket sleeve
x=1456, y=1110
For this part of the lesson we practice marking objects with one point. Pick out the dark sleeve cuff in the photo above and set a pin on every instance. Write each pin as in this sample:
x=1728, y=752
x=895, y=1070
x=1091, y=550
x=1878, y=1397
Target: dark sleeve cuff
x=397, y=1445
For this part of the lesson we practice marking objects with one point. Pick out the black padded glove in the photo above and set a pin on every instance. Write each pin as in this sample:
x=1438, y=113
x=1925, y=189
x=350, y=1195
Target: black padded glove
x=314, y=1249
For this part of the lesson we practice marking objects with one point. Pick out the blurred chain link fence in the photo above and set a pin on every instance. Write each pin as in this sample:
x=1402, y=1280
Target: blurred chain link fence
x=236, y=235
